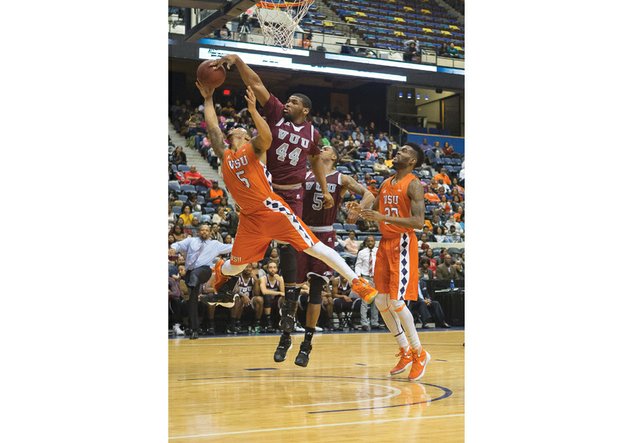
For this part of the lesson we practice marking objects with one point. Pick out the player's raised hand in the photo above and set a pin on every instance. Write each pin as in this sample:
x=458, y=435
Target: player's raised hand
x=251, y=99
x=353, y=209
x=369, y=214
x=206, y=92
x=228, y=60
x=328, y=200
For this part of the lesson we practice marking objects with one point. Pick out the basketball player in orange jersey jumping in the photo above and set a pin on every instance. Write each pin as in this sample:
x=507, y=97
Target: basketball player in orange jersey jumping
x=294, y=141
x=264, y=216
x=400, y=205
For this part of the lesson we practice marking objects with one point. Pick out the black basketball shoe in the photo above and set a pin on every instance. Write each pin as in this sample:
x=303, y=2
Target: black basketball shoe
x=304, y=354
x=285, y=344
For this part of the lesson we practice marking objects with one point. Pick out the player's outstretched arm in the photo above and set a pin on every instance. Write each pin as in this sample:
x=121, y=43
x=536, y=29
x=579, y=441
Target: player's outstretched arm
x=415, y=191
x=319, y=172
x=249, y=77
x=262, y=141
x=213, y=128
x=351, y=185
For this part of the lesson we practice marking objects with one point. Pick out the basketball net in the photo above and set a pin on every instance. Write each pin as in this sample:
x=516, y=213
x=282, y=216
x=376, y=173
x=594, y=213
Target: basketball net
x=278, y=20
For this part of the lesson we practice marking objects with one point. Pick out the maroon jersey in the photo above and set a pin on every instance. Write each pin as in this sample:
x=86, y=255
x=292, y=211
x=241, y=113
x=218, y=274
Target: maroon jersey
x=290, y=147
x=314, y=214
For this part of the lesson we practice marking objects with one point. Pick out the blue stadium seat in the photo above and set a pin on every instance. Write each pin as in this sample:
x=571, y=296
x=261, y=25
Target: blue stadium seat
x=183, y=168
x=174, y=168
x=176, y=210
x=338, y=226
x=350, y=227
x=209, y=210
x=343, y=169
x=174, y=186
x=205, y=218
x=201, y=189
x=182, y=197
x=201, y=200
x=188, y=188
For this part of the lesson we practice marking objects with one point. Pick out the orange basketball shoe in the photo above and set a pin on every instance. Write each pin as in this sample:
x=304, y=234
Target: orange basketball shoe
x=219, y=278
x=406, y=357
x=419, y=364
x=362, y=288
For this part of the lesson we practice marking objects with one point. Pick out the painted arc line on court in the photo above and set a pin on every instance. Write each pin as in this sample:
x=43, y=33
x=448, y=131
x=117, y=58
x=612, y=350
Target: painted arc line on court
x=398, y=392
x=324, y=425
x=446, y=393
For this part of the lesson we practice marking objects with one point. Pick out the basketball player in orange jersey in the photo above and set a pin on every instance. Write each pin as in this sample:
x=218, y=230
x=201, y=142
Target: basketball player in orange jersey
x=400, y=205
x=320, y=220
x=264, y=216
x=295, y=140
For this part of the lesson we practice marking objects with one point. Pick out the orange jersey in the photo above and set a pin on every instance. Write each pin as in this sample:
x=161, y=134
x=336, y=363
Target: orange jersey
x=394, y=202
x=246, y=178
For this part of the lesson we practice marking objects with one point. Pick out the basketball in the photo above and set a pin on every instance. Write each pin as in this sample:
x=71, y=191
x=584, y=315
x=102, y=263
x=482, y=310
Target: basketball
x=207, y=76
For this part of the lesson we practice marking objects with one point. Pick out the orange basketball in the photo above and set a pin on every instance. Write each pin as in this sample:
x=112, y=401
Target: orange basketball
x=210, y=77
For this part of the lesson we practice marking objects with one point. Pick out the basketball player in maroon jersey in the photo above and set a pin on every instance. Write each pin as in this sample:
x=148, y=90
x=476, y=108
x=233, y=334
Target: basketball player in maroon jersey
x=320, y=220
x=294, y=141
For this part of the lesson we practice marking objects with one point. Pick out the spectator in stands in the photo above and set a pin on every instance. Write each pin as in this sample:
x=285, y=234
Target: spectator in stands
x=392, y=148
x=186, y=216
x=193, y=177
x=381, y=142
x=172, y=217
x=215, y=233
x=346, y=48
x=170, y=239
x=446, y=271
x=194, y=227
x=372, y=154
x=452, y=51
x=440, y=233
x=371, y=184
x=357, y=135
x=178, y=156
x=430, y=197
x=273, y=256
x=176, y=308
x=177, y=233
x=228, y=240
x=217, y=195
x=219, y=216
x=448, y=150
x=443, y=50
x=443, y=175
x=452, y=222
x=412, y=49
x=425, y=272
x=428, y=309
x=365, y=267
x=192, y=200
x=223, y=33
x=351, y=245
x=459, y=216
x=231, y=223
x=432, y=261
x=459, y=268
x=381, y=168
x=455, y=236
x=306, y=41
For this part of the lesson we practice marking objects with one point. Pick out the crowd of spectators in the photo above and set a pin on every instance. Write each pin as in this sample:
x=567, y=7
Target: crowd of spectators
x=364, y=152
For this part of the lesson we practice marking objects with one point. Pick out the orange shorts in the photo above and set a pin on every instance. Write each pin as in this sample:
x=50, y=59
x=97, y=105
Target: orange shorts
x=275, y=222
x=396, y=268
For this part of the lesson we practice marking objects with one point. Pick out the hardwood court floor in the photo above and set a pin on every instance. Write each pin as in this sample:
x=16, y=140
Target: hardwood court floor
x=229, y=389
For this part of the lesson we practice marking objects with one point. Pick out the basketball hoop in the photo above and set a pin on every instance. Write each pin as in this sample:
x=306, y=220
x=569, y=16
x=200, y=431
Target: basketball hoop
x=280, y=19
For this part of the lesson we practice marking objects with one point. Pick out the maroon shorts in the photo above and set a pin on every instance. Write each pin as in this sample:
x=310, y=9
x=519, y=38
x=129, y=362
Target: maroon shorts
x=294, y=198
x=306, y=263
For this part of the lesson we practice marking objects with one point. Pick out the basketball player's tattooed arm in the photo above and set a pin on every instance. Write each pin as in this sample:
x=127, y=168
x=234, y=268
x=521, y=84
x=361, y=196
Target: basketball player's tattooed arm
x=415, y=192
x=249, y=77
x=319, y=172
x=351, y=185
x=262, y=141
x=215, y=134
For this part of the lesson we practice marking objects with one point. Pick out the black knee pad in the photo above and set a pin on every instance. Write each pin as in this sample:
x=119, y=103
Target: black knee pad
x=316, y=286
x=288, y=263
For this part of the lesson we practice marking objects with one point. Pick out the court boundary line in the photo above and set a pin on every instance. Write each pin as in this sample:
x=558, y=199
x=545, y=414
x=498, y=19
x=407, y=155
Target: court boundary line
x=321, y=425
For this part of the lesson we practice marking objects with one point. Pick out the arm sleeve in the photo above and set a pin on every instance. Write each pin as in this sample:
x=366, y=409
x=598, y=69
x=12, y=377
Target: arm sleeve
x=182, y=245
x=224, y=249
x=273, y=110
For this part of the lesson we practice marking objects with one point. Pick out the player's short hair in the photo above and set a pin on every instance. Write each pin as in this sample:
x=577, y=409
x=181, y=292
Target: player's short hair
x=419, y=155
x=334, y=151
x=305, y=100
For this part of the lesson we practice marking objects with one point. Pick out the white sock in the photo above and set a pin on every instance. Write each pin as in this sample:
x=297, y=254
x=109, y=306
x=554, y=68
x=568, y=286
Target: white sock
x=391, y=320
x=406, y=320
x=331, y=258
x=229, y=269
